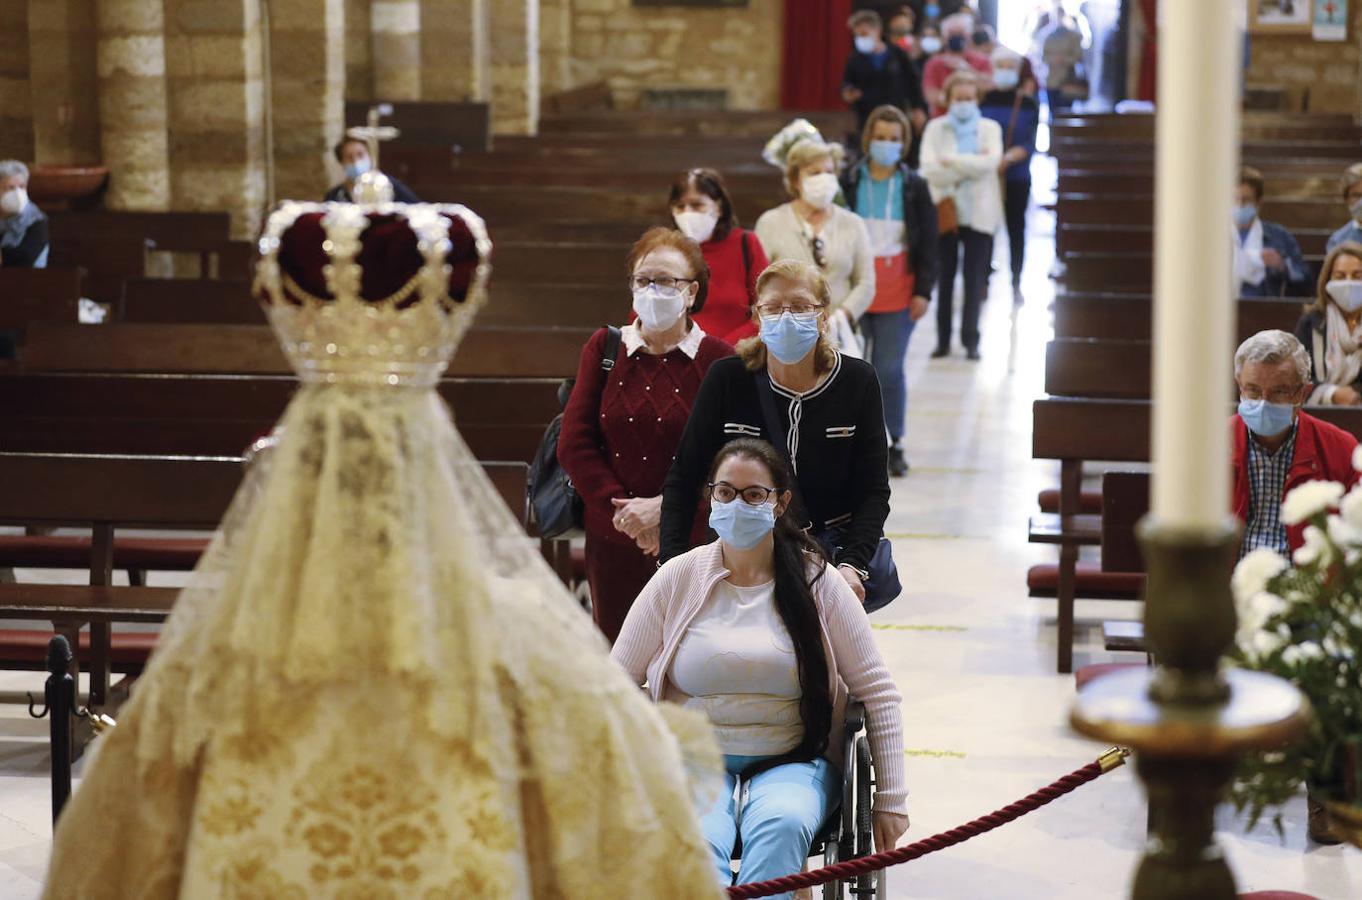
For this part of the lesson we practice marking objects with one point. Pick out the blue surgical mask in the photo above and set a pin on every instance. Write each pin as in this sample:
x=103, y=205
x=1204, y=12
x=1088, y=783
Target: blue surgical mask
x=932, y=10
x=886, y=153
x=865, y=43
x=964, y=110
x=1006, y=79
x=789, y=337
x=357, y=168
x=1244, y=215
x=1266, y=419
x=955, y=43
x=741, y=525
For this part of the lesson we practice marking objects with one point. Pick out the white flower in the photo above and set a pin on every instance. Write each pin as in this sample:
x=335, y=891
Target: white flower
x=1357, y=457
x=1302, y=652
x=1254, y=572
x=1344, y=533
x=1262, y=643
x=1308, y=499
x=1351, y=506
x=1253, y=613
x=1316, y=547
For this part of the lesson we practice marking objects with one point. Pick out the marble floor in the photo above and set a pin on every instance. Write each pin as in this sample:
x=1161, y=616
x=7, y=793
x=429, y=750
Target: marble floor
x=984, y=711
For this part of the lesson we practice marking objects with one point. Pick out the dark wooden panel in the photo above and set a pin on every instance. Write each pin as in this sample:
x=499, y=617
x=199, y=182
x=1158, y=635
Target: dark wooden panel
x=38, y=295
x=446, y=124
x=1079, y=367
x=1125, y=500
x=1071, y=428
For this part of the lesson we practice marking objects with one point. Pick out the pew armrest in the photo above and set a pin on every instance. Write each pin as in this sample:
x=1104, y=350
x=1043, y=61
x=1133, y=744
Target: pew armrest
x=86, y=603
x=1081, y=530
x=1119, y=635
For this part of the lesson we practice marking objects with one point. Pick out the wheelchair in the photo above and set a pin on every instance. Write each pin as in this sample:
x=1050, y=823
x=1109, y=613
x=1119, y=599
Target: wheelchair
x=849, y=831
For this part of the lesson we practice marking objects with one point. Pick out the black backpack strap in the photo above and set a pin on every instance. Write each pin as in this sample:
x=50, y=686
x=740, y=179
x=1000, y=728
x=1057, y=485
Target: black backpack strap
x=613, y=336
x=767, y=398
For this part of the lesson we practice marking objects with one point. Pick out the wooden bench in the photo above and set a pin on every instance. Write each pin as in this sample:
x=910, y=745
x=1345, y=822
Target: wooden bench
x=455, y=126
x=106, y=262
x=1101, y=238
x=38, y=295
x=1115, y=316
x=188, y=301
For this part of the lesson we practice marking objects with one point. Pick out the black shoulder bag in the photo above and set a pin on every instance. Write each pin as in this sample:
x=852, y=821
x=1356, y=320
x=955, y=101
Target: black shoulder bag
x=882, y=585
x=555, y=506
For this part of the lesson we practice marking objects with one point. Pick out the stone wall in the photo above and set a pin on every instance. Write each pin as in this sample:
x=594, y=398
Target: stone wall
x=1328, y=71
x=62, y=50
x=16, y=105
x=676, y=47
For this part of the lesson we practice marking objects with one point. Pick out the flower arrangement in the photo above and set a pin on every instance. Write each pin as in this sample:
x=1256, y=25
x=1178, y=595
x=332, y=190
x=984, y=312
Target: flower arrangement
x=1302, y=621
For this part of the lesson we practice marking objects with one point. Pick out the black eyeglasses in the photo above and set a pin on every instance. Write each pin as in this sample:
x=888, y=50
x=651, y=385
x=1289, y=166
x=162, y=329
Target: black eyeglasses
x=665, y=282
x=820, y=258
x=753, y=495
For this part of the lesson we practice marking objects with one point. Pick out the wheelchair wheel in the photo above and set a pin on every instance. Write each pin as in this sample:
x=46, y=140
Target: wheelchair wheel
x=865, y=840
x=833, y=889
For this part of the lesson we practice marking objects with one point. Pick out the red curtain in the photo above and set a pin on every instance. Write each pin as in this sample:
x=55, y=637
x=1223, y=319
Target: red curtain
x=816, y=45
x=1149, y=52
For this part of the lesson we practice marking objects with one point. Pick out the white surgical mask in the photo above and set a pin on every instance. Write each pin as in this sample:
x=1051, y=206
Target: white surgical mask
x=818, y=190
x=865, y=43
x=13, y=201
x=931, y=44
x=657, y=309
x=1347, y=294
x=698, y=226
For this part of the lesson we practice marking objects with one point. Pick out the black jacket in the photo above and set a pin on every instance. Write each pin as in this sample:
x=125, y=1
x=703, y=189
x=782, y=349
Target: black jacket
x=839, y=449
x=401, y=193
x=919, y=221
x=896, y=83
x=28, y=250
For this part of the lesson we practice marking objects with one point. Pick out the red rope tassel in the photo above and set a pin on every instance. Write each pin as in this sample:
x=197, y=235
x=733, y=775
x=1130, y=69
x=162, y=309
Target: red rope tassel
x=861, y=865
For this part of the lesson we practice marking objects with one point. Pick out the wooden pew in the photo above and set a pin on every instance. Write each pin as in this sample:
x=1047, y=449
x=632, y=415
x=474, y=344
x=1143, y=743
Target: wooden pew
x=207, y=234
x=1121, y=272
x=189, y=301
x=491, y=352
x=38, y=295
x=686, y=124
x=1136, y=209
x=1114, y=316
x=1072, y=238
x=106, y=262
x=454, y=125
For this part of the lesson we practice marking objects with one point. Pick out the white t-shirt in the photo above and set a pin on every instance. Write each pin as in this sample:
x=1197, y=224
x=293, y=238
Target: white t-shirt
x=736, y=664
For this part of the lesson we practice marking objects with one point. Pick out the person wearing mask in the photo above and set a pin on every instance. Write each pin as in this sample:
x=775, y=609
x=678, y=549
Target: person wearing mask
x=1351, y=184
x=23, y=226
x=623, y=421
x=810, y=228
x=791, y=379
x=1331, y=329
x=929, y=41
x=961, y=153
x=955, y=57
x=1064, y=45
x=1268, y=261
x=897, y=207
x=703, y=211
x=757, y=631
x=353, y=156
x=879, y=73
x=901, y=27
x=1018, y=115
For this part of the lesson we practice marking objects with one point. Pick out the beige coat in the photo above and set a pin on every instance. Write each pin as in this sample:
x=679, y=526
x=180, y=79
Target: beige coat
x=951, y=174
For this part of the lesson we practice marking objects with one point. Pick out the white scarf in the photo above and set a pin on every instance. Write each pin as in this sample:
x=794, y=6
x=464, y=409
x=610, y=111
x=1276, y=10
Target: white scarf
x=1248, y=255
x=1342, y=362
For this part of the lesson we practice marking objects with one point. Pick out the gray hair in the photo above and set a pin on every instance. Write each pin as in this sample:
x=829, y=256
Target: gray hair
x=1003, y=54
x=958, y=23
x=12, y=167
x=1272, y=347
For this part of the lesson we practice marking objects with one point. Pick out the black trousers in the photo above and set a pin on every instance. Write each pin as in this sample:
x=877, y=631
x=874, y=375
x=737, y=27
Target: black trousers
x=978, y=249
x=1016, y=196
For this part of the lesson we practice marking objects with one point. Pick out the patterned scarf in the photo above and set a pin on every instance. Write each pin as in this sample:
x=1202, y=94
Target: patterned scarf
x=13, y=228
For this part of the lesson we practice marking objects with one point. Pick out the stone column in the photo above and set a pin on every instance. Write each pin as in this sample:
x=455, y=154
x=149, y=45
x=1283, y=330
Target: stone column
x=396, y=49
x=514, y=37
x=131, y=67
x=307, y=43
x=359, y=62
x=453, y=49
x=16, y=107
x=214, y=65
x=555, y=46
x=62, y=41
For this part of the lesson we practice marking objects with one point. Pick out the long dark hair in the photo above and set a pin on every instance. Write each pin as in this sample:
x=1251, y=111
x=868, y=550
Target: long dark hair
x=799, y=563
x=710, y=183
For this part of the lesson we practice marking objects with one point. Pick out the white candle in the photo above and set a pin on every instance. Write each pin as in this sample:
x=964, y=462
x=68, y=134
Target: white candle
x=1197, y=158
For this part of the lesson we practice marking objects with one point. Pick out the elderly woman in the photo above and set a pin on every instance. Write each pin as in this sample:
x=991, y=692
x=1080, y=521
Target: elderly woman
x=961, y=153
x=625, y=417
x=703, y=211
x=896, y=205
x=1018, y=115
x=1331, y=329
x=23, y=227
x=811, y=229
x=955, y=56
x=1351, y=188
x=791, y=387
x=757, y=632
x=1267, y=259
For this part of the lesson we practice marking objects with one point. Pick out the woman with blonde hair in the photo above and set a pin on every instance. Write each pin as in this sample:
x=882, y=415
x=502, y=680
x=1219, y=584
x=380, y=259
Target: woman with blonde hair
x=1350, y=186
x=792, y=388
x=1331, y=329
x=811, y=229
x=961, y=152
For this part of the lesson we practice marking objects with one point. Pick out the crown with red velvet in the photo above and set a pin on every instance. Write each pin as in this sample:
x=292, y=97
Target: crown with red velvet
x=376, y=293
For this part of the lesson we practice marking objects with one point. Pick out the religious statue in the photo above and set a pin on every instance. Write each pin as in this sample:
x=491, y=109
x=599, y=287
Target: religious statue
x=373, y=685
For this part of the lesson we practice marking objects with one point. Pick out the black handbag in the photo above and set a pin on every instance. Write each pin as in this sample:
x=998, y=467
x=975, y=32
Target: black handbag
x=555, y=506
x=882, y=585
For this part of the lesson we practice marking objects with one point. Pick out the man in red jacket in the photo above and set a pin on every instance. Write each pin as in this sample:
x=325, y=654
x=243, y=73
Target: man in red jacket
x=1277, y=446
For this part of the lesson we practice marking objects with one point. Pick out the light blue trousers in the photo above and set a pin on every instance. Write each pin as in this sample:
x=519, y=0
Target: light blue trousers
x=779, y=813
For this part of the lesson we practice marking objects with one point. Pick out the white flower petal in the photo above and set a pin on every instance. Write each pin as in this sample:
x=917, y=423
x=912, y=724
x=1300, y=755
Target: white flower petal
x=1308, y=499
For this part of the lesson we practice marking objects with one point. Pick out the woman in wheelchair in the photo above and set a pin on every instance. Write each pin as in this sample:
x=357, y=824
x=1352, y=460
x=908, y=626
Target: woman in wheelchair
x=760, y=633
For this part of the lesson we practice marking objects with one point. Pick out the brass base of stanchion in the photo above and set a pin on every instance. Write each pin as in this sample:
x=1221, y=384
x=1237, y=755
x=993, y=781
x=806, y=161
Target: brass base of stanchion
x=1346, y=820
x=1188, y=721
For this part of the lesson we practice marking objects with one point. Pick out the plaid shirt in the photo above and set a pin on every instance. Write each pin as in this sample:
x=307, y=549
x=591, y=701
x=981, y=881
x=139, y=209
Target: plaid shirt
x=1267, y=480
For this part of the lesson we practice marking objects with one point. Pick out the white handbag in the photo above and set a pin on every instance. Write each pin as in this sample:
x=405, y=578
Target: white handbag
x=845, y=338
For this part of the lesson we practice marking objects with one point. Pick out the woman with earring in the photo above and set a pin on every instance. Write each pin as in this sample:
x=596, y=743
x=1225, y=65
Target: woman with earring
x=623, y=420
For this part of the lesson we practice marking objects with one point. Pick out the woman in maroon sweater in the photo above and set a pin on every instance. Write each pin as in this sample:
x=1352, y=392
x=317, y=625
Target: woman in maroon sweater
x=622, y=426
x=703, y=211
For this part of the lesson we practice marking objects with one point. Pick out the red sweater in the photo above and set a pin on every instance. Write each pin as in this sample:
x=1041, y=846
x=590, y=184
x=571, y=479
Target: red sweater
x=1324, y=452
x=621, y=428
x=728, y=311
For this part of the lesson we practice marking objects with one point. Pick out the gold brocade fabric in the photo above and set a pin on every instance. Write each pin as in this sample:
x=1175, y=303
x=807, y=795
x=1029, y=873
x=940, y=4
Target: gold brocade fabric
x=374, y=687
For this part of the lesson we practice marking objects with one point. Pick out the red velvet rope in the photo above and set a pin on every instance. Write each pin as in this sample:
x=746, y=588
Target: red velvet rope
x=861, y=865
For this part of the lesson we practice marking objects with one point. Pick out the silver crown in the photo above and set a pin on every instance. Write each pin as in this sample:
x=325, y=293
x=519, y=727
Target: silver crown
x=347, y=338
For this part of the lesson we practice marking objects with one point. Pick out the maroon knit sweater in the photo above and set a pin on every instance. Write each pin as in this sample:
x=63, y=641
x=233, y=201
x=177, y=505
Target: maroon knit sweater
x=621, y=428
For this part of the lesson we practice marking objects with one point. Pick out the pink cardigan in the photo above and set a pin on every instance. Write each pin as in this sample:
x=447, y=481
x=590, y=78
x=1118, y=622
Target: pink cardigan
x=662, y=613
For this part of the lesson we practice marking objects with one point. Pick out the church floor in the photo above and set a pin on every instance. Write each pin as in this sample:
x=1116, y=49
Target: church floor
x=984, y=711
